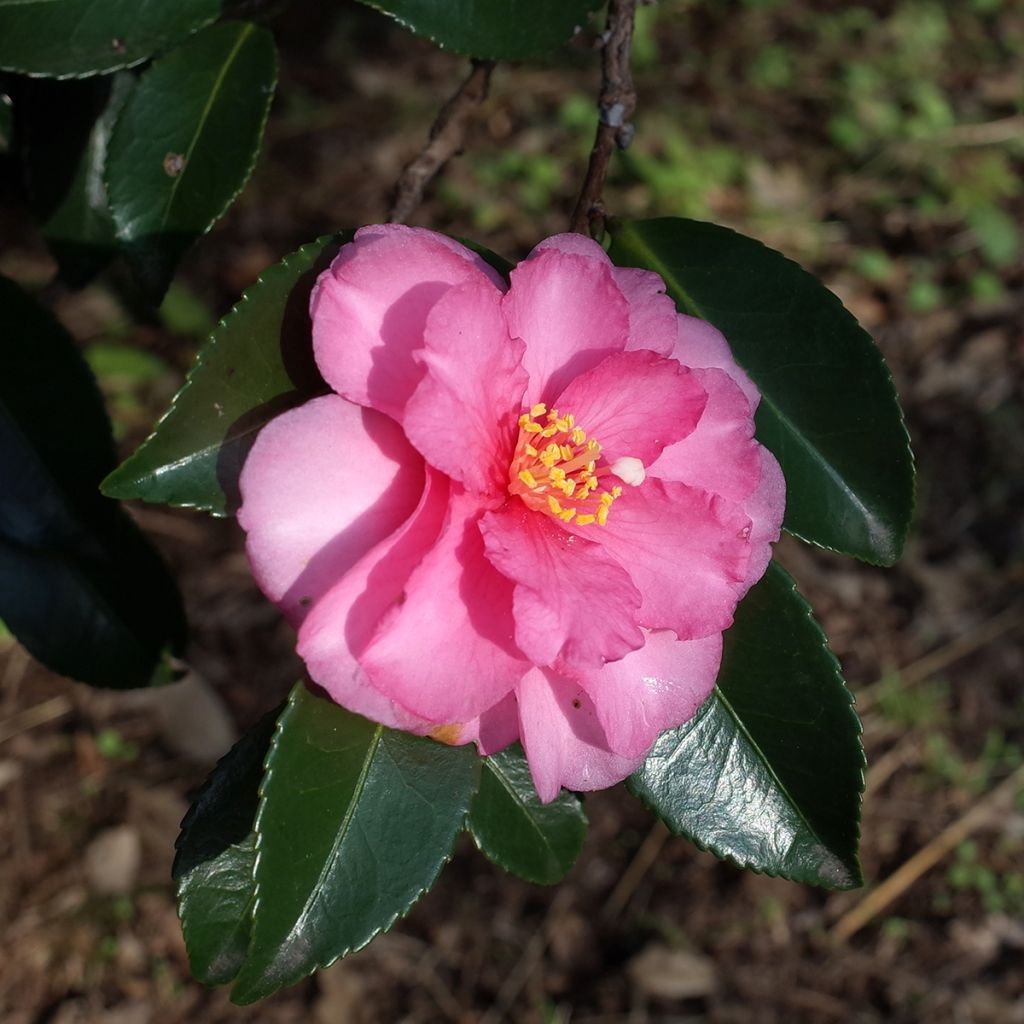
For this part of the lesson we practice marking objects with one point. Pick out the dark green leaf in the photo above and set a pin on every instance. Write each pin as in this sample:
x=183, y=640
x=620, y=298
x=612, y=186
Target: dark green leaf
x=769, y=773
x=6, y=122
x=186, y=143
x=66, y=127
x=499, y=263
x=499, y=29
x=355, y=823
x=80, y=586
x=216, y=858
x=258, y=362
x=538, y=842
x=829, y=411
x=73, y=38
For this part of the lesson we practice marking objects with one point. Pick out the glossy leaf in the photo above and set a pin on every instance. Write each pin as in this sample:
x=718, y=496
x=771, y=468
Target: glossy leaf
x=216, y=858
x=355, y=823
x=538, y=842
x=186, y=143
x=500, y=29
x=829, y=410
x=73, y=38
x=80, y=586
x=770, y=772
x=257, y=363
x=66, y=127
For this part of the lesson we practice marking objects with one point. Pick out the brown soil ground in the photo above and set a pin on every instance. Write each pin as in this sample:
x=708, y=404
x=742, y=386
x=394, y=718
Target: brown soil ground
x=646, y=928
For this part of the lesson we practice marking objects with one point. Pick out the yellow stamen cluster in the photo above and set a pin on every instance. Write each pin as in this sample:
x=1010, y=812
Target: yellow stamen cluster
x=555, y=468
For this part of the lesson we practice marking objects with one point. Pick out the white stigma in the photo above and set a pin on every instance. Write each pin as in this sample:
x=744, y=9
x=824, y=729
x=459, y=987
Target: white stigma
x=629, y=470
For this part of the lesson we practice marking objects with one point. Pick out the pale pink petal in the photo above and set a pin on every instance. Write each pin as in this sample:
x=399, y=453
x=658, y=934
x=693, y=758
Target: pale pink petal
x=655, y=688
x=574, y=606
x=340, y=625
x=370, y=306
x=570, y=313
x=495, y=729
x=634, y=404
x=765, y=507
x=700, y=345
x=323, y=483
x=463, y=414
x=652, y=314
x=447, y=653
x=563, y=739
x=721, y=454
x=685, y=549
x=575, y=244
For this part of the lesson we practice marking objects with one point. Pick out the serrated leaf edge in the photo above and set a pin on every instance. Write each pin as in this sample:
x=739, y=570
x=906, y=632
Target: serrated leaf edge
x=490, y=765
x=110, y=485
x=113, y=68
x=857, y=875
x=901, y=536
x=268, y=769
x=247, y=30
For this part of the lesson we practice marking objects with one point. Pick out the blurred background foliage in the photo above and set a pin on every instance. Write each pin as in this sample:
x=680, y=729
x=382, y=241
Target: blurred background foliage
x=882, y=145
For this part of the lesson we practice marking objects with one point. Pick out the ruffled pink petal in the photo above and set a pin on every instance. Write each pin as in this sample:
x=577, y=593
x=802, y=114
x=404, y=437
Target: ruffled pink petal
x=574, y=606
x=765, y=507
x=655, y=688
x=700, y=345
x=370, y=306
x=634, y=404
x=447, y=652
x=340, y=625
x=571, y=314
x=563, y=739
x=721, y=454
x=463, y=414
x=652, y=314
x=685, y=549
x=323, y=484
x=495, y=729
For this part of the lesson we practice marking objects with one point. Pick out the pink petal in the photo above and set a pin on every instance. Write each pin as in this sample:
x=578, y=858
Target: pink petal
x=652, y=314
x=699, y=345
x=323, y=484
x=463, y=414
x=721, y=454
x=340, y=625
x=495, y=729
x=685, y=549
x=655, y=688
x=571, y=314
x=563, y=739
x=447, y=652
x=370, y=306
x=634, y=404
x=574, y=606
x=765, y=508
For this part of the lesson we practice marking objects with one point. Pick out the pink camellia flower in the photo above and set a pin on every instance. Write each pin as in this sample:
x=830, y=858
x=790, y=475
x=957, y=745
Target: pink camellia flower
x=527, y=511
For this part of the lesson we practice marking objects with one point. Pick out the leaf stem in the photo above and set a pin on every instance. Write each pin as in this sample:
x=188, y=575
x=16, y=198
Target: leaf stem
x=447, y=135
x=615, y=105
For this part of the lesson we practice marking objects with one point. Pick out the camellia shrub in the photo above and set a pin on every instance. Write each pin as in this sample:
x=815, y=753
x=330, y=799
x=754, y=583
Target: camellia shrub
x=520, y=517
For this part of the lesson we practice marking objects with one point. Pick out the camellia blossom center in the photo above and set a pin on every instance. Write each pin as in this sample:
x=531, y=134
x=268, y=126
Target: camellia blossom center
x=558, y=469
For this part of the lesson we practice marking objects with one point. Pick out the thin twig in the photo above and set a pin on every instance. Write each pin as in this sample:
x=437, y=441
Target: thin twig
x=942, y=657
x=637, y=870
x=615, y=105
x=928, y=856
x=447, y=135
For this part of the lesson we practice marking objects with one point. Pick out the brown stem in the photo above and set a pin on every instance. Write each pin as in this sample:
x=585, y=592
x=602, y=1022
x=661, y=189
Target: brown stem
x=447, y=135
x=615, y=106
